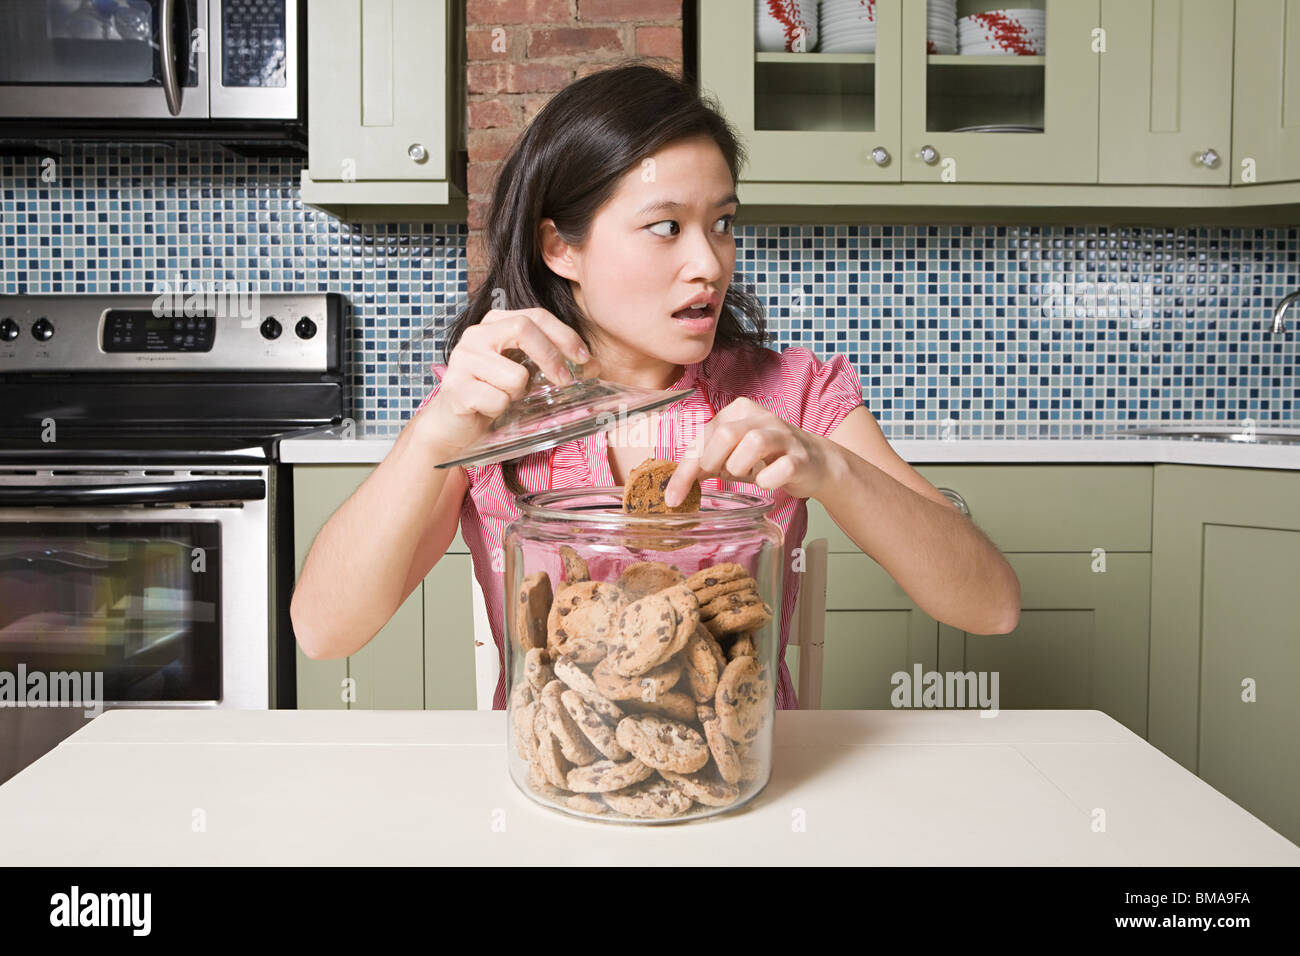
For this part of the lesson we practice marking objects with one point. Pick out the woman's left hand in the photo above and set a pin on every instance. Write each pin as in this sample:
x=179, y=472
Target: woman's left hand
x=746, y=442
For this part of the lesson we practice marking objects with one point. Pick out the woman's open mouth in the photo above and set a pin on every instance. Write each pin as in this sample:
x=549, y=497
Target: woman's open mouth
x=699, y=318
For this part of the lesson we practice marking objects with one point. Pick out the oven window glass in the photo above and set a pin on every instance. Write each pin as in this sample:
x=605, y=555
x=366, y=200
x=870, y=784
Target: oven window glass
x=138, y=601
x=93, y=42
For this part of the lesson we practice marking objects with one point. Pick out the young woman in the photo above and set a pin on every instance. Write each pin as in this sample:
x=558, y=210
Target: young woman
x=610, y=217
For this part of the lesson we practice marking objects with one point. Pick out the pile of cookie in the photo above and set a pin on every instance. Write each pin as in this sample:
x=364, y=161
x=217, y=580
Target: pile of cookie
x=642, y=696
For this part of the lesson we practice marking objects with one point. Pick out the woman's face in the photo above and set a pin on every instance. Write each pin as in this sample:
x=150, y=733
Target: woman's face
x=664, y=239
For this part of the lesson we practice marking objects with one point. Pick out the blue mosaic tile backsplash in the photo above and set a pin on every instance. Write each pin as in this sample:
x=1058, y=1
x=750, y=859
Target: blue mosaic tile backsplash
x=1001, y=328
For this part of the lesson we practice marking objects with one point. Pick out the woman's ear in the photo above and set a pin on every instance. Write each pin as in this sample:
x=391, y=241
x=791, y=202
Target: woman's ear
x=556, y=253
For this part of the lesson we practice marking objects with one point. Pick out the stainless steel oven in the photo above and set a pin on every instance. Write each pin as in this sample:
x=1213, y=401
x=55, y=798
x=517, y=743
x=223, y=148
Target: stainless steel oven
x=145, y=519
x=155, y=578
x=165, y=60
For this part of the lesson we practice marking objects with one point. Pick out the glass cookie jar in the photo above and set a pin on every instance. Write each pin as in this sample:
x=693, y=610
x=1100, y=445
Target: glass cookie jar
x=641, y=654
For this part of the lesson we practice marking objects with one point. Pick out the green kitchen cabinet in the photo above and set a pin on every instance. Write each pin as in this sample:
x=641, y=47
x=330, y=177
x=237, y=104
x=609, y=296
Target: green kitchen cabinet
x=1166, y=99
x=388, y=672
x=946, y=94
x=1081, y=642
x=830, y=116
x=385, y=111
x=873, y=630
x=1266, y=92
x=1079, y=538
x=1088, y=506
x=1225, y=633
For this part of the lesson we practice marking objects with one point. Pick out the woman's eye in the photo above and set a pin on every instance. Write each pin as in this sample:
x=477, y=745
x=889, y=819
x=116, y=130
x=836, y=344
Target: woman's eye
x=673, y=224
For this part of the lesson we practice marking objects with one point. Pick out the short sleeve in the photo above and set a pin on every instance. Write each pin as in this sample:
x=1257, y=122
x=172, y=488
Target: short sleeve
x=830, y=390
x=439, y=369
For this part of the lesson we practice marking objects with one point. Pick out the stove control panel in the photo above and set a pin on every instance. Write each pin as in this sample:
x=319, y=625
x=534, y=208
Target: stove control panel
x=227, y=332
x=138, y=330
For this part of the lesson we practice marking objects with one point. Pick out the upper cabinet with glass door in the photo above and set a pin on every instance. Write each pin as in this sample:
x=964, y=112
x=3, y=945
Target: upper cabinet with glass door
x=812, y=88
x=1000, y=91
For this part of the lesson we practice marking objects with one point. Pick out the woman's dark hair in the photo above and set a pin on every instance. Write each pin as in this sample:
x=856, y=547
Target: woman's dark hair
x=565, y=166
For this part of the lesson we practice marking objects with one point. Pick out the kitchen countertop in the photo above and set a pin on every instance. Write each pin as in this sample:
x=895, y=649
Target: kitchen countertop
x=1008, y=443
x=417, y=787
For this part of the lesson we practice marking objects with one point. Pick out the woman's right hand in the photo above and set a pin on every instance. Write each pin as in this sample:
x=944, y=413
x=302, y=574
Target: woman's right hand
x=480, y=381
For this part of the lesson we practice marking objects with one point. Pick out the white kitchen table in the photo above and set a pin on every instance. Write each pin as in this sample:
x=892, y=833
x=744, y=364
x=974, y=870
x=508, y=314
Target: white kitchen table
x=416, y=787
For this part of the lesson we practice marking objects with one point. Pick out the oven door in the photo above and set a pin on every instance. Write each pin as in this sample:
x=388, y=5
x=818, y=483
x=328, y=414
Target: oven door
x=155, y=579
x=104, y=59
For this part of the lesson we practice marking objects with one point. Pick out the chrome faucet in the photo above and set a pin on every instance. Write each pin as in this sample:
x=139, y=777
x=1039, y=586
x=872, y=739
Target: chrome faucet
x=1279, y=323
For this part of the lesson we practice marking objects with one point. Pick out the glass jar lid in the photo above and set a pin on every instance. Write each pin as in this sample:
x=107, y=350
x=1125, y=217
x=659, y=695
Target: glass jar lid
x=549, y=415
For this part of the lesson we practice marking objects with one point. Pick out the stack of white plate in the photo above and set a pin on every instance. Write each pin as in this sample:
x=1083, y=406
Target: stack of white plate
x=778, y=24
x=848, y=26
x=1003, y=33
x=941, y=26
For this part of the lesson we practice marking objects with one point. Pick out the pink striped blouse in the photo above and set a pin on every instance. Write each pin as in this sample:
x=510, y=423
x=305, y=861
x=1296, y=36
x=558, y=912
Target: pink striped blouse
x=794, y=384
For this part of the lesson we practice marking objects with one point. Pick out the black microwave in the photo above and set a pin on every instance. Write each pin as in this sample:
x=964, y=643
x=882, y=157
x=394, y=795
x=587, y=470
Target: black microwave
x=132, y=69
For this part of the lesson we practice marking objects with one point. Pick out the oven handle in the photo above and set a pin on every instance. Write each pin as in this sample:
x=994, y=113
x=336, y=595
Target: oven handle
x=167, y=53
x=191, y=492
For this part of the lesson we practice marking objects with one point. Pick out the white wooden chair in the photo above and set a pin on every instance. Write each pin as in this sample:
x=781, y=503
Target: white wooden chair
x=807, y=632
x=808, y=629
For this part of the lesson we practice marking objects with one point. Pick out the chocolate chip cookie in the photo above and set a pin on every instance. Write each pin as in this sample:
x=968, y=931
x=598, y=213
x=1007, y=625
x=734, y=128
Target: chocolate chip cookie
x=575, y=746
x=574, y=566
x=537, y=669
x=534, y=606
x=646, y=635
x=744, y=617
x=643, y=493
x=604, y=776
x=716, y=574
x=663, y=743
x=652, y=683
x=743, y=692
x=704, y=786
x=647, y=577
x=700, y=663
x=721, y=747
x=567, y=670
x=581, y=621
x=587, y=719
x=656, y=799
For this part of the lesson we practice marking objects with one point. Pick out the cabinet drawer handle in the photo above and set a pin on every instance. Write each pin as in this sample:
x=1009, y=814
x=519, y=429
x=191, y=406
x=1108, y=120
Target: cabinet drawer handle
x=1209, y=159
x=956, y=499
x=880, y=156
x=417, y=152
x=929, y=155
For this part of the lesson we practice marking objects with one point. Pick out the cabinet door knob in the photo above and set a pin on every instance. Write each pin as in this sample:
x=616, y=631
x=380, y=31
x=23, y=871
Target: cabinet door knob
x=880, y=156
x=417, y=152
x=1209, y=159
x=929, y=155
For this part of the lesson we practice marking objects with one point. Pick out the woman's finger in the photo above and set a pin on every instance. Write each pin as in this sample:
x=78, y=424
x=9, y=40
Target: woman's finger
x=497, y=370
x=564, y=336
x=748, y=454
x=525, y=334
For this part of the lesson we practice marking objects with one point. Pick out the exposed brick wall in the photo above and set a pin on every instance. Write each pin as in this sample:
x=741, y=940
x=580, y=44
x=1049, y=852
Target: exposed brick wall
x=521, y=52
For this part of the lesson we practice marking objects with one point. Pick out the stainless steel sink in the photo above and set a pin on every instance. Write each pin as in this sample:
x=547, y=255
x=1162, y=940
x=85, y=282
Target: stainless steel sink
x=1215, y=433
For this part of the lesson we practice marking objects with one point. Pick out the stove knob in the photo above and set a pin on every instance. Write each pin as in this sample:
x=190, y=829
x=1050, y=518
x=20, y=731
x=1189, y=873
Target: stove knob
x=305, y=328
x=8, y=330
x=271, y=329
x=43, y=329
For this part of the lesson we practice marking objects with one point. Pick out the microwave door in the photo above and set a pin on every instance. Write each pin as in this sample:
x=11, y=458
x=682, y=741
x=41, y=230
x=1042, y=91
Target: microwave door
x=104, y=59
x=254, y=59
